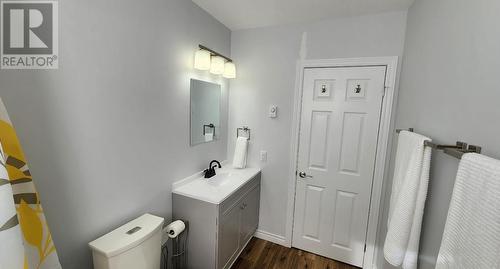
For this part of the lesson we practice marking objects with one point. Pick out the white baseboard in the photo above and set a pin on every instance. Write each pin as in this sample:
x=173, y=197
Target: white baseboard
x=274, y=238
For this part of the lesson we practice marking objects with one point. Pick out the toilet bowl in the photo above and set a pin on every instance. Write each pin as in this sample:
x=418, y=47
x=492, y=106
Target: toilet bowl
x=134, y=245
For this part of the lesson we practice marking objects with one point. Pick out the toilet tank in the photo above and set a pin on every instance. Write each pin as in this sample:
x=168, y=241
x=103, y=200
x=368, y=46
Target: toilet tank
x=134, y=245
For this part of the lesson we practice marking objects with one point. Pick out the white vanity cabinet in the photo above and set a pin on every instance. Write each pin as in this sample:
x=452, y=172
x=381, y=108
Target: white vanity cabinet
x=218, y=232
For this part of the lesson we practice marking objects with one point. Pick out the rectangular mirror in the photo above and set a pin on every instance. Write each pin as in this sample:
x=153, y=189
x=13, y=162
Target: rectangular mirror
x=205, y=111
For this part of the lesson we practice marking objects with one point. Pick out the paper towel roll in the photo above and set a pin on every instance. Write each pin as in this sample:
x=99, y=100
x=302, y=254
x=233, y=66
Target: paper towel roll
x=175, y=228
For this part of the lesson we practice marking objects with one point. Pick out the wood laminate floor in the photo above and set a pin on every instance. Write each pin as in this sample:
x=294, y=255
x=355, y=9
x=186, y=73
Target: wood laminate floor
x=261, y=254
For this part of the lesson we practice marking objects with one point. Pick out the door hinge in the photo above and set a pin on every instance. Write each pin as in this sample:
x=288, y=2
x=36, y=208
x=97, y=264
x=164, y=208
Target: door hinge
x=384, y=90
x=365, y=248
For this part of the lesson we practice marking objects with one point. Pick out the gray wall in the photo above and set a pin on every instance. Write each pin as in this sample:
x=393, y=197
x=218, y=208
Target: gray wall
x=266, y=60
x=449, y=91
x=107, y=133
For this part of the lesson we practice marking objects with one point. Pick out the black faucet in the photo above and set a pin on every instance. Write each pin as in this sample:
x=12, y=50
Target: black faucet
x=210, y=172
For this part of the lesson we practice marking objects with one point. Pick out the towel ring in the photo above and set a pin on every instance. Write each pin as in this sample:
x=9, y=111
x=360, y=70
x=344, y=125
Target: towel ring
x=211, y=125
x=244, y=129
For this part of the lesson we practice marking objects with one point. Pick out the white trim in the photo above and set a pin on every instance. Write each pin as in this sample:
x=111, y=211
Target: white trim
x=293, y=152
x=382, y=145
x=274, y=238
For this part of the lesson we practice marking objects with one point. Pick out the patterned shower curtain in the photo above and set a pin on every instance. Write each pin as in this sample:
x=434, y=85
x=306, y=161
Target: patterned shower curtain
x=25, y=240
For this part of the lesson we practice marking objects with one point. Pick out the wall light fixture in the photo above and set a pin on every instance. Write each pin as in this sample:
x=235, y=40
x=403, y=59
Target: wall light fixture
x=216, y=63
x=202, y=60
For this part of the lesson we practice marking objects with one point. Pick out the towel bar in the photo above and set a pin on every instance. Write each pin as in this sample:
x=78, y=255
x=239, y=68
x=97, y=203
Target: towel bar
x=457, y=150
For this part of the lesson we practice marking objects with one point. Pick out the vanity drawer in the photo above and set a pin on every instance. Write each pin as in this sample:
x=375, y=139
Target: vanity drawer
x=232, y=200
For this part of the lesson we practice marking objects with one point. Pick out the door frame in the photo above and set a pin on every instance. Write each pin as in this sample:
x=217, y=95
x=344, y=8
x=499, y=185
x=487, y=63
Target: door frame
x=383, y=151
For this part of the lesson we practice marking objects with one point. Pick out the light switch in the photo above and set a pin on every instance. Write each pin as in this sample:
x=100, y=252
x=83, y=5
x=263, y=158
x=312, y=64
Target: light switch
x=273, y=111
x=263, y=156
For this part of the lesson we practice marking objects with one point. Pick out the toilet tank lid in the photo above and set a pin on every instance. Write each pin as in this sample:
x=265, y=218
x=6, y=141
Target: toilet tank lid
x=127, y=236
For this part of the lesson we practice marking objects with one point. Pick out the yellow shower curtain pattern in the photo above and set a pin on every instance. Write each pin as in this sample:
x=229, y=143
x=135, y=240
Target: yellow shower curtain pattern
x=11, y=241
x=38, y=249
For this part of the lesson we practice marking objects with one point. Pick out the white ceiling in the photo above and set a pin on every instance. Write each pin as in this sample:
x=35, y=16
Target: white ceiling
x=243, y=14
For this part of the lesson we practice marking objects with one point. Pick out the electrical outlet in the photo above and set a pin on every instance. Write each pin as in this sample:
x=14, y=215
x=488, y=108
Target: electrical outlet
x=263, y=156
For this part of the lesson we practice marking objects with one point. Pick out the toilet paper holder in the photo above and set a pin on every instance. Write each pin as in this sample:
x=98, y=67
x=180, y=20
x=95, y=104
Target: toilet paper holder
x=179, y=251
x=175, y=228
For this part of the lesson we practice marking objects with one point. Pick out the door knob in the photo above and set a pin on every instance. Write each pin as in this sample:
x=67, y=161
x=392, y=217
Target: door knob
x=304, y=175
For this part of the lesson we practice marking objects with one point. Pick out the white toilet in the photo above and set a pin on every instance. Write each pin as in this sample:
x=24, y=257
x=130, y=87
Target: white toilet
x=134, y=245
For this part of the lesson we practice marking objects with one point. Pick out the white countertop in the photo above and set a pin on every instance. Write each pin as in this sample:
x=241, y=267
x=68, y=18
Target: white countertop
x=215, y=189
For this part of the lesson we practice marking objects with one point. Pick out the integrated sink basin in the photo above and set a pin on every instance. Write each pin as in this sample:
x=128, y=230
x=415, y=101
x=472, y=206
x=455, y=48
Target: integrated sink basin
x=222, y=178
x=217, y=188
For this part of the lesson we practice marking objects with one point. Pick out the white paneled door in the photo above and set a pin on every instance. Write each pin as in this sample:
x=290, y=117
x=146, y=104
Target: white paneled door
x=338, y=142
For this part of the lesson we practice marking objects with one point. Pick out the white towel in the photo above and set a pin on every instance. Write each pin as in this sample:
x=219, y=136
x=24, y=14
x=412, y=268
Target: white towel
x=240, y=153
x=471, y=237
x=209, y=137
x=409, y=192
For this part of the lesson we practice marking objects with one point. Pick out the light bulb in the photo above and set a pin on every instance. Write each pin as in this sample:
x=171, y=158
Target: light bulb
x=217, y=65
x=202, y=60
x=229, y=70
